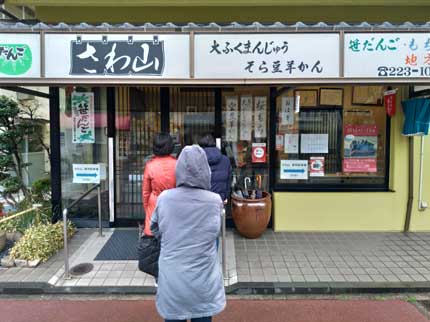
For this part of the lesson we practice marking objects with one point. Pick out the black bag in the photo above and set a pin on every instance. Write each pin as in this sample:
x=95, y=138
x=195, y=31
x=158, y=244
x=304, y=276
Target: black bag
x=149, y=252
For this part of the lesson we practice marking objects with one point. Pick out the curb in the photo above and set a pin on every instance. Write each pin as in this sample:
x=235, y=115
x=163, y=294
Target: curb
x=241, y=288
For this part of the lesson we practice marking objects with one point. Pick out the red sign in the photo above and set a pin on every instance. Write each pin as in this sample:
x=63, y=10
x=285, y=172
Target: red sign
x=316, y=167
x=258, y=152
x=359, y=165
x=390, y=102
x=360, y=130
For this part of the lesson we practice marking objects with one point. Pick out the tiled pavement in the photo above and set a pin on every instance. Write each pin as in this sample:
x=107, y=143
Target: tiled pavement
x=334, y=257
x=280, y=259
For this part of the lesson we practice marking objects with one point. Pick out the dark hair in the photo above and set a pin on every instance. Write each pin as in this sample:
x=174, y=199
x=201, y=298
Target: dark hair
x=162, y=144
x=207, y=141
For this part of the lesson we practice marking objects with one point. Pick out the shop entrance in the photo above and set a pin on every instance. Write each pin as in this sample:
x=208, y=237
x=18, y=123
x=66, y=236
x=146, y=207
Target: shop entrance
x=237, y=117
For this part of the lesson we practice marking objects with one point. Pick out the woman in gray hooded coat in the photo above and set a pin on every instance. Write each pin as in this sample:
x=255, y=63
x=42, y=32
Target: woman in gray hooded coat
x=188, y=221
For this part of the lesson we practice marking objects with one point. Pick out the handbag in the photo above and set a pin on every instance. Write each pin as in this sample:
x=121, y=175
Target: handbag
x=148, y=251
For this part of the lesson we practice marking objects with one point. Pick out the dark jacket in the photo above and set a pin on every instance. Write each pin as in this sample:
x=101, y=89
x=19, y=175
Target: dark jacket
x=221, y=172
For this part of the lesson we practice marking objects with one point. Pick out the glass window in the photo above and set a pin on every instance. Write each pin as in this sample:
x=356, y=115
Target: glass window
x=331, y=138
x=83, y=140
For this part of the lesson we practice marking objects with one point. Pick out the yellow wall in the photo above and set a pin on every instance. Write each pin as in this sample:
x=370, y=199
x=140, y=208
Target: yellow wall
x=361, y=211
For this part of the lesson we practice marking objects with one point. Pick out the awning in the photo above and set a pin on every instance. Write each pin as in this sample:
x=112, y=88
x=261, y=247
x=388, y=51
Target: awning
x=234, y=26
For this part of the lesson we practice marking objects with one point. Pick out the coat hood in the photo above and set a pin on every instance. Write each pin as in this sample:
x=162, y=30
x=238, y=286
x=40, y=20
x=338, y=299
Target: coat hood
x=213, y=154
x=192, y=168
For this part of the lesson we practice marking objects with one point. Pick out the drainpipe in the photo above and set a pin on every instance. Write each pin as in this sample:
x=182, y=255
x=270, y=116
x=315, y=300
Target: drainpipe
x=422, y=205
x=410, y=185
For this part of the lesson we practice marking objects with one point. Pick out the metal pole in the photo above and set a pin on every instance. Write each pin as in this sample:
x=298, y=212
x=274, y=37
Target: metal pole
x=99, y=199
x=223, y=247
x=66, y=248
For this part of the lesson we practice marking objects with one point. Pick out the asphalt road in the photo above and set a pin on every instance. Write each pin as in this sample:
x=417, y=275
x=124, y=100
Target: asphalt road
x=12, y=310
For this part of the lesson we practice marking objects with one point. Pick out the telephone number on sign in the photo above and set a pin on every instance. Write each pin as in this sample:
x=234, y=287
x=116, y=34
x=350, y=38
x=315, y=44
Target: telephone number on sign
x=386, y=71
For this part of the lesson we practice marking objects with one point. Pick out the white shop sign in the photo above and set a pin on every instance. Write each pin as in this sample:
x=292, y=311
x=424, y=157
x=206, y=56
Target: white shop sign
x=385, y=55
x=19, y=55
x=117, y=55
x=86, y=173
x=234, y=56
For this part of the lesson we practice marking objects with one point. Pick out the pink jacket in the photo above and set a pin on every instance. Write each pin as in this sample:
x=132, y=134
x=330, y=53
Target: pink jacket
x=159, y=176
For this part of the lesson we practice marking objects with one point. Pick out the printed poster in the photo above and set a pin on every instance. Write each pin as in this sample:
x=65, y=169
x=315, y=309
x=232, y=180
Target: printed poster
x=291, y=143
x=316, y=166
x=86, y=173
x=245, y=118
x=287, y=110
x=314, y=143
x=259, y=152
x=279, y=142
x=231, y=117
x=359, y=165
x=260, y=114
x=360, y=148
x=83, y=117
x=294, y=170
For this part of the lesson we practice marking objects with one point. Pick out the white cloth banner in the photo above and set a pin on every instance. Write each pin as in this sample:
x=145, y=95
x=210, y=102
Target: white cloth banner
x=245, y=118
x=83, y=118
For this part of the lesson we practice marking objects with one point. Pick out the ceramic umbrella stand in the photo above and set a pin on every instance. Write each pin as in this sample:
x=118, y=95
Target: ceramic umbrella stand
x=251, y=216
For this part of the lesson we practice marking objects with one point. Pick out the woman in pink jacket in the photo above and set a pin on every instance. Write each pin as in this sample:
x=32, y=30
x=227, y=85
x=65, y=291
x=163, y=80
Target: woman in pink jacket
x=159, y=175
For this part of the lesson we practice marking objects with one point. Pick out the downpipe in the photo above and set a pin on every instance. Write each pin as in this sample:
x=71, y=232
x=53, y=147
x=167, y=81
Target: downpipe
x=422, y=205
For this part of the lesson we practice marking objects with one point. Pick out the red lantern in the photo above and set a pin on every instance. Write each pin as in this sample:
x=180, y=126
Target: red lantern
x=390, y=102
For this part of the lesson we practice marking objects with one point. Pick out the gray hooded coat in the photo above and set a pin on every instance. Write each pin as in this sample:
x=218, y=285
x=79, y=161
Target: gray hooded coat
x=188, y=221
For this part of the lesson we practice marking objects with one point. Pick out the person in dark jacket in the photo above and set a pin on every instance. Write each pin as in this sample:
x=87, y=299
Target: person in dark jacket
x=220, y=167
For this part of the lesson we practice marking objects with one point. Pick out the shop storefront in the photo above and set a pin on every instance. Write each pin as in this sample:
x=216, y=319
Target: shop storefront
x=304, y=114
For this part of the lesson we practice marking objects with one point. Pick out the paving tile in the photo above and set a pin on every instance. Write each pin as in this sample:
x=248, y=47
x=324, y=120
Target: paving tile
x=97, y=282
x=418, y=278
x=364, y=278
x=311, y=278
x=110, y=282
x=101, y=274
x=242, y=278
x=83, y=282
x=297, y=278
x=127, y=274
x=257, y=278
x=378, y=278
x=338, y=278
x=391, y=278
x=405, y=278
x=294, y=271
x=351, y=278
x=324, y=278
x=124, y=281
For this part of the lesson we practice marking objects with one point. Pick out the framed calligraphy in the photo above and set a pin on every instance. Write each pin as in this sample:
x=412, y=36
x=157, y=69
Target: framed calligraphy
x=367, y=95
x=308, y=97
x=331, y=97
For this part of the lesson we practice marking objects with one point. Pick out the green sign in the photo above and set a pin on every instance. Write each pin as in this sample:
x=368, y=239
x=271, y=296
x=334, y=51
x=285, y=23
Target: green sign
x=15, y=59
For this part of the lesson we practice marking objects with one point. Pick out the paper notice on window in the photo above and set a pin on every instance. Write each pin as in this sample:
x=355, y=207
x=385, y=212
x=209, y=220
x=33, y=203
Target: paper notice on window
x=260, y=117
x=291, y=143
x=245, y=117
x=314, y=143
x=231, y=119
x=287, y=110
